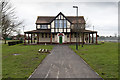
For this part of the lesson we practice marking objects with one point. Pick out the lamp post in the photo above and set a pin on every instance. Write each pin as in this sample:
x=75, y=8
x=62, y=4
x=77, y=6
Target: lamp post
x=93, y=35
x=76, y=26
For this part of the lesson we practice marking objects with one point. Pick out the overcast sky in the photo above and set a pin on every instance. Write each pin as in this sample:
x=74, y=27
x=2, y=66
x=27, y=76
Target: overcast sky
x=102, y=15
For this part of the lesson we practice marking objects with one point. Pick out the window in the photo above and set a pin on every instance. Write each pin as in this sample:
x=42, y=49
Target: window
x=78, y=35
x=53, y=35
x=71, y=35
x=75, y=35
x=65, y=24
x=52, y=30
x=38, y=26
x=56, y=23
x=61, y=23
x=46, y=35
x=67, y=35
x=43, y=26
x=42, y=35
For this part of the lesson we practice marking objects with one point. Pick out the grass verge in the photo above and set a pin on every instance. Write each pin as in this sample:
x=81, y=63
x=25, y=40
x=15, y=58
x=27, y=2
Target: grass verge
x=23, y=64
x=102, y=58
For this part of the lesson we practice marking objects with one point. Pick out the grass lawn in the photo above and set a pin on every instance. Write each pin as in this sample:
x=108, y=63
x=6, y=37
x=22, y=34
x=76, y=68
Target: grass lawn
x=102, y=58
x=21, y=66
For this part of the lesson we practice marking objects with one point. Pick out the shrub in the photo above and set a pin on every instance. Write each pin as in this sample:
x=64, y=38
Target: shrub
x=14, y=42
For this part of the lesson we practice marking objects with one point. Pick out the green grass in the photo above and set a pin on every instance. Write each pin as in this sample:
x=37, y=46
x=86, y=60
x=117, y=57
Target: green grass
x=21, y=66
x=102, y=58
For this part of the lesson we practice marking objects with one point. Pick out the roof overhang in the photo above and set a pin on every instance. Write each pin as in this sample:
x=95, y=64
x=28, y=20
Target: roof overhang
x=38, y=31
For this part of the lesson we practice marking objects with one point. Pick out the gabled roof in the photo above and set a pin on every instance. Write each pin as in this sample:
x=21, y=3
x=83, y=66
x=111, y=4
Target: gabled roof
x=49, y=19
x=44, y=19
x=62, y=15
x=73, y=19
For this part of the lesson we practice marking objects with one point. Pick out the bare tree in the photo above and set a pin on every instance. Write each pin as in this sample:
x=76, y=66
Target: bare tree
x=88, y=23
x=9, y=21
x=18, y=34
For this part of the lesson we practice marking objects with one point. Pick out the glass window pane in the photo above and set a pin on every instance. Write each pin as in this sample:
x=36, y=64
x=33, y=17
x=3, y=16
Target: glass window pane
x=43, y=26
x=61, y=23
x=55, y=23
x=64, y=23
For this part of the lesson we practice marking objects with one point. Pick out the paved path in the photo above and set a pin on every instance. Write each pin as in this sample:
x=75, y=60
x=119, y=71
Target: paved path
x=63, y=63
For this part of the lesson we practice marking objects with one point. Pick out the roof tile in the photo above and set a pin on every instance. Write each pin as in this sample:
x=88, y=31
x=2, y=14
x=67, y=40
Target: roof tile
x=48, y=19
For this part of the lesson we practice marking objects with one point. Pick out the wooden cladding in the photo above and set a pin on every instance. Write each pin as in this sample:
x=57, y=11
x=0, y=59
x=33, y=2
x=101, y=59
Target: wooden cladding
x=60, y=30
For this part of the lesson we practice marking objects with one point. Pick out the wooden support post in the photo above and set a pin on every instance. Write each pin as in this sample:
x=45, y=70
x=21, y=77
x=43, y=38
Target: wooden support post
x=51, y=38
x=28, y=39
x=96, y=37
x=31, y=38
x=34, y=38
x=70, y=38
x=92, y=37
x=37, y=38
x=83, y=38
x=89, y=37
x=25, y=38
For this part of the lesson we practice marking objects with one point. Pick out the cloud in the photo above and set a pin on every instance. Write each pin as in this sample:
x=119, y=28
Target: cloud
x=103, y=15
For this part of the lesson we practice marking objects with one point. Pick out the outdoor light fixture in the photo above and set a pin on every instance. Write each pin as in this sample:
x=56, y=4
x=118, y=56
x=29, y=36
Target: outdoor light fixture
x=76, y=26
x=75, y=7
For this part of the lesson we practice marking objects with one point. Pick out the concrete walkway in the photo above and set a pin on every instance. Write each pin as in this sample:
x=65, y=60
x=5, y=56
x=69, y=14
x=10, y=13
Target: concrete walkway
x=63, y=63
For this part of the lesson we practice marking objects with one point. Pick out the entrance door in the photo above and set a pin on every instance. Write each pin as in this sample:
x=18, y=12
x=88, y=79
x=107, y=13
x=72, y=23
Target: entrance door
x=60, y=39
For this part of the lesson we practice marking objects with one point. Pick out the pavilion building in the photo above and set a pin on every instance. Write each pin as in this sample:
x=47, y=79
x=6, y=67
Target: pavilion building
x=60, y=29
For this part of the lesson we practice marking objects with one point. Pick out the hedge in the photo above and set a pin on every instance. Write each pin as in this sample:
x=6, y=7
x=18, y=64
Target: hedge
x=14, y=42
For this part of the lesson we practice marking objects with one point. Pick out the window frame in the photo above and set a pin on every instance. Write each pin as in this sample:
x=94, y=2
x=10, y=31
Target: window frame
x=44, y=26
x=61, y=23
x=56, y=23
x=65, y=23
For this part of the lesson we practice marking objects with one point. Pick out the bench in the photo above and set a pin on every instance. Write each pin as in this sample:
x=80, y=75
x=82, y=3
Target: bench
x=43, y=51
